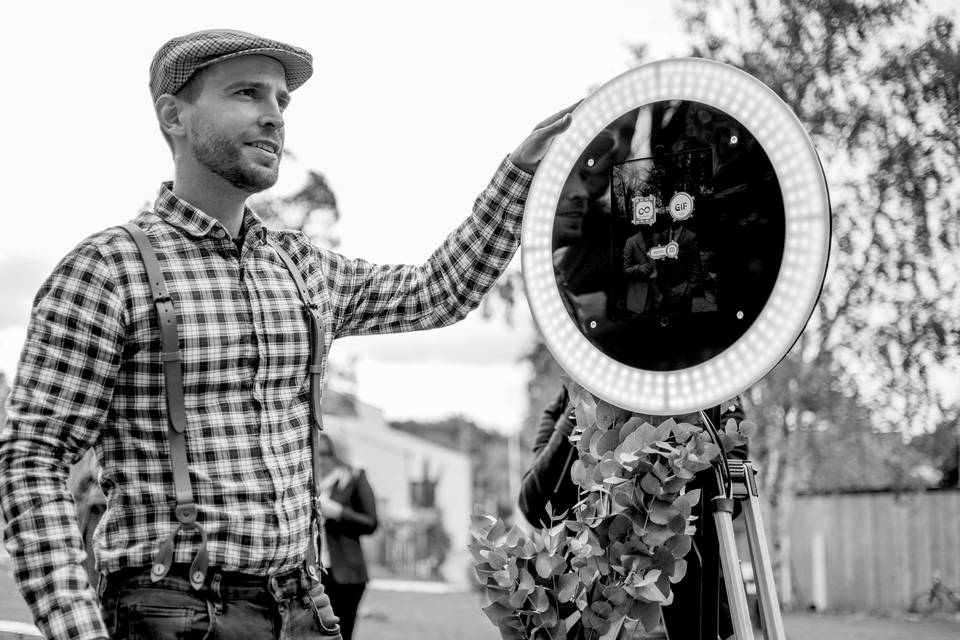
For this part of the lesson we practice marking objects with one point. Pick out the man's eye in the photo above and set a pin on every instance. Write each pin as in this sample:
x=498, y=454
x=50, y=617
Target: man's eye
x=247, y=92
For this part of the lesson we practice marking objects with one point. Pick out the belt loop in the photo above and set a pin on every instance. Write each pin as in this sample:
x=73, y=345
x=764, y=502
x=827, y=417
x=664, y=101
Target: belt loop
x=215, y=595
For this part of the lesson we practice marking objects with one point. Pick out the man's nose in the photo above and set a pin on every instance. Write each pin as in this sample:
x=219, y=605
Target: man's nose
x=576, y=190
x=271, y=115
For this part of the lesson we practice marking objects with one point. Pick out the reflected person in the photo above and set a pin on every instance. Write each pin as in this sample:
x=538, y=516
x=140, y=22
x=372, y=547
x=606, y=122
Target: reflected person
x=641, y=274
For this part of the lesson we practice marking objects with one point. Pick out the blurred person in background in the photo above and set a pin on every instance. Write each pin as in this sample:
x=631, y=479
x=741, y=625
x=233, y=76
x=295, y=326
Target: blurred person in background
x=350, y=510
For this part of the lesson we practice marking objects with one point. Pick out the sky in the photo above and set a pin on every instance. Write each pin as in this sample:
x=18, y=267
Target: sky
x=411, y=108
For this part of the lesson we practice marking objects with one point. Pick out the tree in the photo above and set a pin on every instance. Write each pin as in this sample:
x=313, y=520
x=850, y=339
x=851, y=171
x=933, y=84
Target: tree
x=942, y=445
x=311, y=209
x=877, y=84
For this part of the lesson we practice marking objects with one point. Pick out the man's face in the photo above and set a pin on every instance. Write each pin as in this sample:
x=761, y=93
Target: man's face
x=612, y=145
x=235, y=125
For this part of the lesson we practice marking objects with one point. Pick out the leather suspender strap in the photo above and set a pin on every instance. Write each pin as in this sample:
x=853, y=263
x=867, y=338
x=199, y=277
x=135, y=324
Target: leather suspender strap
x=312, y=560
x=186, y=510
x=316, y=336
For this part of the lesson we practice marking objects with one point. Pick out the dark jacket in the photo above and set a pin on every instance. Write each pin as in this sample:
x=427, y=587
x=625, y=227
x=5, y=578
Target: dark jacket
x=359, y=518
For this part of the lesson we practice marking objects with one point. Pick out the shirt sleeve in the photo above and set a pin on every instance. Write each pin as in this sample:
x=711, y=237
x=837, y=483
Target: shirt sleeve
x=368, y=298
x=60, y=396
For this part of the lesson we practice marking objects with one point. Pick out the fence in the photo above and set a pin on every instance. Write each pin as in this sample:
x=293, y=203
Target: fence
x=873, y=551
x=409, y=548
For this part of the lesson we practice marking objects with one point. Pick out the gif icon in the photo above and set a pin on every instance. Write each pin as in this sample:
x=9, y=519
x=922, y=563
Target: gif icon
x=644, y=210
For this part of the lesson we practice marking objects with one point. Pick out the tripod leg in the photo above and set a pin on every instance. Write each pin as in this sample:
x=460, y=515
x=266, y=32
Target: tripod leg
x=763, y=569
x=732, y=577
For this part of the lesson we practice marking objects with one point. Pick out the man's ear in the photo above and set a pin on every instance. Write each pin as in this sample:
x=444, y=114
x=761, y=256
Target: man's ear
x=170, y=115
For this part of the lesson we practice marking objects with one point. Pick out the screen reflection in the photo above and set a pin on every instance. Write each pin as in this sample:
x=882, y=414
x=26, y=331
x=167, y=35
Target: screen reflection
x=668, y=235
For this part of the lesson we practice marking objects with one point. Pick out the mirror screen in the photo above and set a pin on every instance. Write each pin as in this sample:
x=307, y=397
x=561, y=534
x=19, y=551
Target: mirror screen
x=668, y=235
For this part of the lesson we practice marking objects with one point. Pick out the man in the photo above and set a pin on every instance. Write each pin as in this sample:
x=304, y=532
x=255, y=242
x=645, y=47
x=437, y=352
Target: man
x=92, y=370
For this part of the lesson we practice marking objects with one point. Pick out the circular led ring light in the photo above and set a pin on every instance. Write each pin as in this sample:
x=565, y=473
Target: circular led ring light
x=802, y=269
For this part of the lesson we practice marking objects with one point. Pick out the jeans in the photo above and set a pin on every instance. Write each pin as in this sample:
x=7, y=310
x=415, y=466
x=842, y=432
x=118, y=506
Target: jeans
x=230, y=606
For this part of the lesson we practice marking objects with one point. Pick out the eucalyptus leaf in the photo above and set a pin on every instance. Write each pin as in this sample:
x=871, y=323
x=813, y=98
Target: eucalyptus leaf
x=679, y=545
x=540, y=600
x=497, y=611
x=609, y=467
x=674, y=484
x=525, y=581
x=586, y=416
x=496, y=559
x=648, y=613
x=631, y=425
x=663, y=430
x=661, y=471
x=495, y=593
x=567, y=585
x=586, y=436
x=662, y=512
x=682, y=431
x=517, y=599
x=607, y=442
x=650, y=483
x=549, y=617
x=622, y=493
x=544, y=565
x=678, y=523
x=615, y=594
x=503, y=578
x=605, y=414
x=656, y=534
x=578, y=473
x=679, y=571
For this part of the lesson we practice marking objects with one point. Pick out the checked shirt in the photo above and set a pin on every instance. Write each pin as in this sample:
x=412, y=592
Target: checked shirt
x=90, y=375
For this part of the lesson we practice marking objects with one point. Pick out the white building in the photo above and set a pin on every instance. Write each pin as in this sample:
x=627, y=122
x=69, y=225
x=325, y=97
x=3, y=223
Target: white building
x=394, y=462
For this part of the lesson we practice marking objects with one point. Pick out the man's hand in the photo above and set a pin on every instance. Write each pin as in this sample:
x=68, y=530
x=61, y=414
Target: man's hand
x=531, y=151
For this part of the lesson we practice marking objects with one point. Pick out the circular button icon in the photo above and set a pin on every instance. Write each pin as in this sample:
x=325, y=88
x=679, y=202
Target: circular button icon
x=681, y=206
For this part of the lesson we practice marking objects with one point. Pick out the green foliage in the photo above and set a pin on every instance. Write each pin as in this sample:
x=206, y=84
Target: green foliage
x=615, y=555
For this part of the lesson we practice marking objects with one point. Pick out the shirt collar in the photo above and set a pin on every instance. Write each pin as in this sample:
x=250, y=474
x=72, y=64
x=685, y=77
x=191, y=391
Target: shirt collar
x=195, y=222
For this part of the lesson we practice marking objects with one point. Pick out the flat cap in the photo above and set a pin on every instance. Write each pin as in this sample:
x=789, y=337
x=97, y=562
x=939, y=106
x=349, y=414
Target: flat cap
x=179, y=58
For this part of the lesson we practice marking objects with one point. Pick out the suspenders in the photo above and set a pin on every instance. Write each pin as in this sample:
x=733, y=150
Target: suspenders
x=186, y=511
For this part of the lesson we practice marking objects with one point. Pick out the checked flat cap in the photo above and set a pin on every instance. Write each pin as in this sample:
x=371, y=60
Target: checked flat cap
x=179, y=58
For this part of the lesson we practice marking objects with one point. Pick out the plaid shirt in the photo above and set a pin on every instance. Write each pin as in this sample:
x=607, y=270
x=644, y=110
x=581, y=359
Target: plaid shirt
x=90, y=375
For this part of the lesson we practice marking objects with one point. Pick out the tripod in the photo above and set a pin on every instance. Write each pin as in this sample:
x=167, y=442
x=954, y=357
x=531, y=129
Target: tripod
x=740, y=486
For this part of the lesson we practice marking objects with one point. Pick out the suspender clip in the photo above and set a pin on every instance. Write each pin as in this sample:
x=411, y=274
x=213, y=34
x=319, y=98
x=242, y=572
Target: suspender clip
x=186, y=513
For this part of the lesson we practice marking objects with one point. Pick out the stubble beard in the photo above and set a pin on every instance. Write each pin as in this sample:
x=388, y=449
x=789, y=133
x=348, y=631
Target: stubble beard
x=221, y=156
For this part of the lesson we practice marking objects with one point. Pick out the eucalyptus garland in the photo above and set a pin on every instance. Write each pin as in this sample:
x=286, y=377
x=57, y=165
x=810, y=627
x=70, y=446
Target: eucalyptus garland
x=611, y=560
